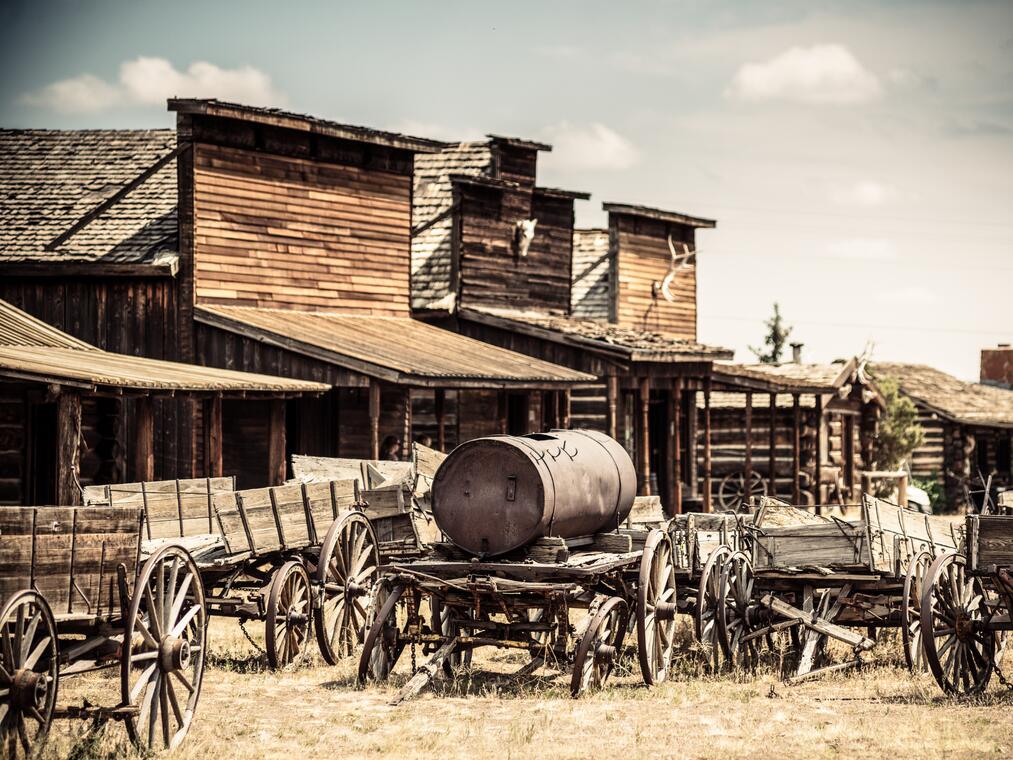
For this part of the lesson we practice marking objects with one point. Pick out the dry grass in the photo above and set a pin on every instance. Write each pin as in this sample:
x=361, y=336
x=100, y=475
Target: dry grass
x=247, y=711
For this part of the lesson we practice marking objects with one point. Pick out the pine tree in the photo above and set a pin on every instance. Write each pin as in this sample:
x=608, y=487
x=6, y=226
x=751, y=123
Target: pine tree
x=777, y=337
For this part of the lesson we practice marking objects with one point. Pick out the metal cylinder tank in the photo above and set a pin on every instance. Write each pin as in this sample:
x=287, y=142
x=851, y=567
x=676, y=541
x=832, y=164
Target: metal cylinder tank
x=493, y=495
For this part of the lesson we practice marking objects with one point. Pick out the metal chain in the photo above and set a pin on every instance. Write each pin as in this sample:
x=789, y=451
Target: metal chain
x=1002, y=677
x=246, y=633
x=412, y=623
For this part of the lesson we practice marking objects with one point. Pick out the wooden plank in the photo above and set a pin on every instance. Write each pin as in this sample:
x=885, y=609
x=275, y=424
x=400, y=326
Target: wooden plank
x=677, y=447
x=993, y=542
x=276, y=443
x=68, y=446
x=144, y=439
x=707, y=460
x=835, y=545
x=772, y=446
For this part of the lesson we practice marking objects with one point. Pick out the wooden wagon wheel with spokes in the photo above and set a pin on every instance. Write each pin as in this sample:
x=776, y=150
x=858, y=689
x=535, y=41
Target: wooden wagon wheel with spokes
x=733, y=620
x=349, y=559
x=444, y=620
x=959, y=649
x=384, y=640
x=708, y=601
x=656, y=607
x=733, y=491
x=911, y=621
x=162, y=660
x=29, y=673
x=288, y=614
x=599, y=647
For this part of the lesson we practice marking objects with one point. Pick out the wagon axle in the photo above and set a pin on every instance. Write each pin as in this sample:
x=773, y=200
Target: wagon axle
x=29, y=690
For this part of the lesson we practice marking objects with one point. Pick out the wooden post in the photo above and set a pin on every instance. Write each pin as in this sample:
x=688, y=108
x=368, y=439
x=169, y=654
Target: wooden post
x=796, y=468
x=645, y=436
x=748, y=464
x=406, y=445
x=276, y=443
x=817, y=464
x=565, y=411
x=374, y=419
x=677, y=447
x=707, y=506
x=144, y=439
x=441, y=427
x=692, y=431
x=670, y=472
x=68, y=447
x=772, y=448
x=902, y=490
x=612, y=393
x=501, y=412
x=213, y=467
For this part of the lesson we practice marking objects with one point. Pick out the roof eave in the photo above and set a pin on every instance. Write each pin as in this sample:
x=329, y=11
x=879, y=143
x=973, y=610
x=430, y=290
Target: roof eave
x=626, y=209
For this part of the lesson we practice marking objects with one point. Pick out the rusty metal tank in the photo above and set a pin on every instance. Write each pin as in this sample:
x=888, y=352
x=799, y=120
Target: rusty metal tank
x=493, y=495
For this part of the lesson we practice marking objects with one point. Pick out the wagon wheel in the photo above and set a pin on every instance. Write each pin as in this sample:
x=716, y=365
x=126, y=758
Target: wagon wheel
x=384, y=642
x=708, y=601
x=288, y=614
x=911, y=629
x=345, y=574
x=599, y=647
x=29, y=673
x=733, y=493
x=656, y=607
x=958, y=648
x=443, y=617
x=162, y=660
x=735, y=597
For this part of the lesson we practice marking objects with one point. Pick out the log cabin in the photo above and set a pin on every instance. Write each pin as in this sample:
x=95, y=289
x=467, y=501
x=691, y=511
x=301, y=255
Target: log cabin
x=495, y=256
x=256, y=240
x=968, y=431
x=63, y=404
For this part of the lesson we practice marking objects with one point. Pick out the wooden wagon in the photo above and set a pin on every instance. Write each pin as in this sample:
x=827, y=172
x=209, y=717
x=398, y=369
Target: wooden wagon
x=830, y=578
x=76, y=596
x=298, y=557
x=967, y=606
x=522, y=601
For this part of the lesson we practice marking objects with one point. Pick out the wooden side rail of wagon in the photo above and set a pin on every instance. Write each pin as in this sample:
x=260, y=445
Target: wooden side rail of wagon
x=518, y=602
x=823, y=578
x=77, y=595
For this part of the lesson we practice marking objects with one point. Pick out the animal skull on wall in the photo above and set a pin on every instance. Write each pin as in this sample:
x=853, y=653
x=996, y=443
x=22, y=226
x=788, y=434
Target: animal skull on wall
x=679, y=261
x=524, y=233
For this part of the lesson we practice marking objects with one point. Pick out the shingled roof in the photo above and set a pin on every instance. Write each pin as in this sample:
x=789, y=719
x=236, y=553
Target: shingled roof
x=634, y=345
x=949, y=397
x=87, y=195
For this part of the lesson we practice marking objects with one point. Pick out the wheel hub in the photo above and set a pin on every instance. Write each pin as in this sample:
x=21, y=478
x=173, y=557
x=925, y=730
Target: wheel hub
x=963, y=625
x=174, y=653
x=353, y=590
x=29, y=689
x=604, y=653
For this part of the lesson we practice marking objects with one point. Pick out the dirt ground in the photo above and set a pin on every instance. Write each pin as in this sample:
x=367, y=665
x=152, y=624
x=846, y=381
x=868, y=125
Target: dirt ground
x=247, y=711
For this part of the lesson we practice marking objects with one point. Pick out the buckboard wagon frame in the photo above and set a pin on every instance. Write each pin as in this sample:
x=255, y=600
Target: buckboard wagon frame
x=76, y=596
x=523, y=602
x=299, y=557
x=832, y=579
x=967, y=604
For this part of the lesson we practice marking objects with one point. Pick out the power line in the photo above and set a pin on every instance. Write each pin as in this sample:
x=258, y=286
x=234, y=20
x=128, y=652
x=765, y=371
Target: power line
x=909, y=328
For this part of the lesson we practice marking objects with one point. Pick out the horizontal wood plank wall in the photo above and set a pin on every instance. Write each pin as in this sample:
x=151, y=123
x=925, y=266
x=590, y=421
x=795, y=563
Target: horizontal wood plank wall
x=643, y=259
x=491, y=273
x=353, y=416
x=13, y=444
x=424, y=420
x=282, y=232
x=928, y=460
x=478, y=414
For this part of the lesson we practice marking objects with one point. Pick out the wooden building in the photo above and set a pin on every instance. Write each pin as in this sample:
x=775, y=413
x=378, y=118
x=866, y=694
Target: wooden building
x=72, y=415
x=997, y=366
x=968, y=430
x=255, y=240
x=781, y=429
x=493, y=257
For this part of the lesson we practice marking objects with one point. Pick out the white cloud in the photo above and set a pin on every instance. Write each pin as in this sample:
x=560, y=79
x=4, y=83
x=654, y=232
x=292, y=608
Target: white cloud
x=865, y=193
x=590, y=146
x=822, y=74
x=907, y=295
x=150, y=81
x=863, y=249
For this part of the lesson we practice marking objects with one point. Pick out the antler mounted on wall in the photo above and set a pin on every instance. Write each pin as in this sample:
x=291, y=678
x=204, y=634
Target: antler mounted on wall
x=524, y=233
x=682, y=260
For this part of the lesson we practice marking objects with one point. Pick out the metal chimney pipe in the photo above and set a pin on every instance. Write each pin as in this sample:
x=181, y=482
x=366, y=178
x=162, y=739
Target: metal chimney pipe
x=796, y=352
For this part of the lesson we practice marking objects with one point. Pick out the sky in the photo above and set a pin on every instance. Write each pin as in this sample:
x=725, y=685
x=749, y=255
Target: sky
x=857, y=156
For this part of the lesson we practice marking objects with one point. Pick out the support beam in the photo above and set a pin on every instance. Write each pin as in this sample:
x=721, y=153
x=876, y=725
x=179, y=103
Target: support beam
x=612, y=392
x=677, y=447
x=817, y=460
x=501, y=412
x=213, y=467
x=406, y=446
x=692, y=444
x=276, y=443
x=796, y=432
x=441, y=425
x=671, y=475
x=144, y=439
x=565, y=409
x=707, y=464
x=374, y=419
x=772, y=448
x=748, y=464
x=644, y=444
x=68, y=447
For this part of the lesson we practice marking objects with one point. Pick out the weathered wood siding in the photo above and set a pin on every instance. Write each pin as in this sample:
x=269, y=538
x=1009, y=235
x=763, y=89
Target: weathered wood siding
x=284, y=232
x=13, y=443
x=643, y=258
x=491, y=272
x=589, y=295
